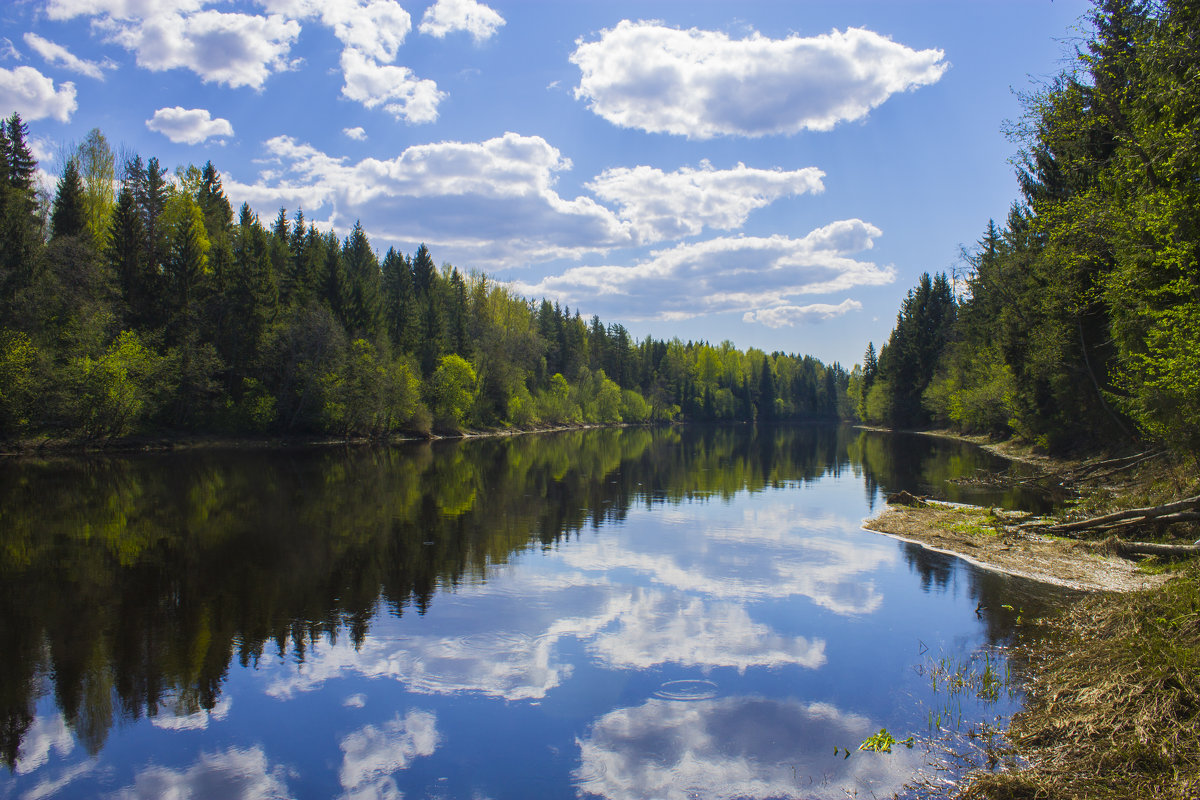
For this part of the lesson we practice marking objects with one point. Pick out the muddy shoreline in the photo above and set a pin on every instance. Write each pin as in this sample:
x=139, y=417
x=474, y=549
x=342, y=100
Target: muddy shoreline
x=984, y=538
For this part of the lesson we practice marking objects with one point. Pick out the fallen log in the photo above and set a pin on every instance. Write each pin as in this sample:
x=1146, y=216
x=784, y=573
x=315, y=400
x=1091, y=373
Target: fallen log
x=1116, y=546
x=1136, y=514
x=1152, y=549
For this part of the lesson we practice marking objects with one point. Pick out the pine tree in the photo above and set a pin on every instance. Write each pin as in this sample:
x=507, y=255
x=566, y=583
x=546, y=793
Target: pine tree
x=364, y=306
x=68, y=217
x=399, y=302
x=218, y=214
x=20, y=225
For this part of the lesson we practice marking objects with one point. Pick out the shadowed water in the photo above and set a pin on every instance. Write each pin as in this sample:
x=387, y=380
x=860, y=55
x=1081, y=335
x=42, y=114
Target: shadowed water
x=641, y=613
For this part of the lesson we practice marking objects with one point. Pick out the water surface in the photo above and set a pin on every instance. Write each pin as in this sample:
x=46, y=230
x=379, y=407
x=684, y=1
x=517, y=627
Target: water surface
x=641, y=613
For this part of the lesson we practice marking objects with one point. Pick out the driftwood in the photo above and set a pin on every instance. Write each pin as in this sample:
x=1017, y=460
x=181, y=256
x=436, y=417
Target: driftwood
x=1152, y=549
x=1179, y=511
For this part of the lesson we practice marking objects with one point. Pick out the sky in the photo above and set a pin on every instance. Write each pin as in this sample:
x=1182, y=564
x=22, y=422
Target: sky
x=778, y=174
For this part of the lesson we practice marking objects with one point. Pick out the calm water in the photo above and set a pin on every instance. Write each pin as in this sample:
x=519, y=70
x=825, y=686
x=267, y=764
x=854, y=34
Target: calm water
x=617, y=614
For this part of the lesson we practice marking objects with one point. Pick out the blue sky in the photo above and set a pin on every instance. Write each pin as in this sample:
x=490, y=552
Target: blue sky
x=774, y=173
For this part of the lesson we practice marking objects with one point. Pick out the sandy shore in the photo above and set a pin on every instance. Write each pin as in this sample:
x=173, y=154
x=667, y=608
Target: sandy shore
x=985, y=539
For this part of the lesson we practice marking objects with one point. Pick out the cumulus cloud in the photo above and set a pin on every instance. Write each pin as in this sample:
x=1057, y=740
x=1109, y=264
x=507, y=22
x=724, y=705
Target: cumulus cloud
x=448, y=16
x=230, y=48
x=728, y=274
x=358, y=133
x=183, y=720
x=492, y=202
x=32, y=95
x=682, y=203
x=790, y=316
x=188, y=125
x=45, y=734
x=703, y=84
x=56, y=54
x=370, y=755
x=744, y=747
x=401, y=93
x=780, y=551
x=659, y=628
x=119, y=9
x=232, y=773
x=371, y=34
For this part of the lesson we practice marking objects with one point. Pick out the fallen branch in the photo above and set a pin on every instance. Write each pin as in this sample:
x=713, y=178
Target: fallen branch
x=1115, y=546
x=1137, y=514
x=1152, y=549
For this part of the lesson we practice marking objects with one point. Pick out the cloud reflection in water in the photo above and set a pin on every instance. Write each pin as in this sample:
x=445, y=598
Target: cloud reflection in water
x=736, y=747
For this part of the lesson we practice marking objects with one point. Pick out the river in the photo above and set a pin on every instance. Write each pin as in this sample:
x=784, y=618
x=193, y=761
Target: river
x=677, y=613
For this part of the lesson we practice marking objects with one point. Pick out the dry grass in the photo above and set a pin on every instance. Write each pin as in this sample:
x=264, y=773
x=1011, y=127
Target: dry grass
x=1114, y=709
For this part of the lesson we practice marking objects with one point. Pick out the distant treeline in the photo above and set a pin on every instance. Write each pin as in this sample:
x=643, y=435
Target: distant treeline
x=134, y=302
x=1079, y=320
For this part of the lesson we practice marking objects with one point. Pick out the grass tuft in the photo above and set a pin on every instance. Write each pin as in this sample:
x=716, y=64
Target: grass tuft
x=1114, y=708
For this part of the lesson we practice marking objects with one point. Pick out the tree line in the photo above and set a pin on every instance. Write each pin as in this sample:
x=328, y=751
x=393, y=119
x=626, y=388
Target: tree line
x=136, y=301
x=1078, y=322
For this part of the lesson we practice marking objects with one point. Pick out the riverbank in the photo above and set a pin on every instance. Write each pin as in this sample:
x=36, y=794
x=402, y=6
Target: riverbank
x=991, y=539
x=1113, y=693
x=47, y=445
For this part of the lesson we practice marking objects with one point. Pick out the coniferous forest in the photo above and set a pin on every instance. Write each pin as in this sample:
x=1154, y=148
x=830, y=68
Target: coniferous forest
x=1077, y=322
x=135, y=301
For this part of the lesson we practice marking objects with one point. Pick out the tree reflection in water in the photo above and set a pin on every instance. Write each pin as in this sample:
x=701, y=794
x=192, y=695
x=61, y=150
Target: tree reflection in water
x=129, y=584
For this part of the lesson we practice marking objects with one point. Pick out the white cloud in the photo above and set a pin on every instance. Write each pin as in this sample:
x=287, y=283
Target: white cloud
x=659, y=628
x=375, y=28
x=448, y=16
x=182, y=720
x=745, y=747
x=781, y=551
x=728, y=274
x=55, y=53
x=32, y=95
x=119, y=9
x=674, y=205
x=45, y=734
x=492, y=202
x=371, y=34
x=397, y=89
x=229, y=48
x=789, y=316
x=358, y=133
x=188, y=125
x=233, y=773
x=370, y=755
x=703, y=84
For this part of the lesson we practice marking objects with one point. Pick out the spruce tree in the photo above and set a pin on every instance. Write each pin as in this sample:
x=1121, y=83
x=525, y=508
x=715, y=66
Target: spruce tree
x=68, y=217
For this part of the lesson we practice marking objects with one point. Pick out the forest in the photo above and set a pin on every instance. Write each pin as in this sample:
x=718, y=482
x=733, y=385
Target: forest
x=133, y=301
x=1076, y=323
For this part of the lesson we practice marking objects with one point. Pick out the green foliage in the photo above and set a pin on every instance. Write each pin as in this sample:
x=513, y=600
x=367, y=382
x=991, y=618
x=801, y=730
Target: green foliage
x=19, y=380
x=68, y=217
x=634, y=407
x=111, y=395
x=1162, y=379
x=452, y=391
x=257, y=409
x=1077, y=325
x=973, y=391
x=555, y=404
x=97, y=168
x=293, y=330
x=883, y=741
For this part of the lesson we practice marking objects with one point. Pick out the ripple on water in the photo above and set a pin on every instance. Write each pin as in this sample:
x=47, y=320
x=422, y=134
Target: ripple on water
x=687, y=690
x=589, y=773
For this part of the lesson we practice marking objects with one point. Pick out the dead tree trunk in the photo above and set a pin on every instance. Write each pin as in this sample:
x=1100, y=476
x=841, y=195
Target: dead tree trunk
x=1178, y=511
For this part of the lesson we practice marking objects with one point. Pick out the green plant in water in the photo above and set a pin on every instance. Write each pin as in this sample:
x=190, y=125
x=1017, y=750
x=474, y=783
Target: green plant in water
x=882, y=742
